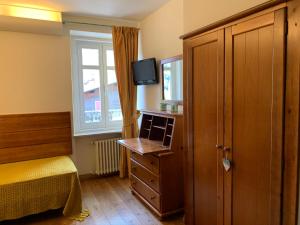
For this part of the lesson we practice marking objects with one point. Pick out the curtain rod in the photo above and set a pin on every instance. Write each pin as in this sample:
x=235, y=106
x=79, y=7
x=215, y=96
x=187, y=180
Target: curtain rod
x=82, y=23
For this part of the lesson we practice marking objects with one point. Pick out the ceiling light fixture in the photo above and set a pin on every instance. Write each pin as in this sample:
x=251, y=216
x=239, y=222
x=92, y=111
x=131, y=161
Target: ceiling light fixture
x=30, y=13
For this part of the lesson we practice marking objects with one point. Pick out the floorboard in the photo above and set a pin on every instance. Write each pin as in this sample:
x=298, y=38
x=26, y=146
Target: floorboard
x=109, y=201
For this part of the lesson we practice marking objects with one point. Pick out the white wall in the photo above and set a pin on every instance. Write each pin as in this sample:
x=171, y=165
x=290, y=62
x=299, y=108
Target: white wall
x=160, y=39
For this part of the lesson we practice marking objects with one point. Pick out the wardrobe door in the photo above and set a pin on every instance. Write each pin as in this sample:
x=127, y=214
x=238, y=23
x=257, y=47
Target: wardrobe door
x=204, y=94
x=254, y=102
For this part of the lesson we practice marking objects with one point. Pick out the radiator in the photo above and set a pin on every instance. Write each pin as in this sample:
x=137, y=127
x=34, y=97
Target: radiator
x=107, y=156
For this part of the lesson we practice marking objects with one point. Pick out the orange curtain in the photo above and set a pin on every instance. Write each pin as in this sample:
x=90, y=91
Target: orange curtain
x=125, y=42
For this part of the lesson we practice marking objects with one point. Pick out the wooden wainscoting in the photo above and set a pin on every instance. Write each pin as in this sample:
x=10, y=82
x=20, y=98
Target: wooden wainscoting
x=33, y=136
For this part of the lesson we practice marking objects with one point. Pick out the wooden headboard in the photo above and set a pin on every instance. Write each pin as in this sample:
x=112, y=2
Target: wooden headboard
x=34, y=136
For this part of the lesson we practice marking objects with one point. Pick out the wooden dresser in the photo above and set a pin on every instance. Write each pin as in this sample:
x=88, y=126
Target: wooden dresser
x=157, y=162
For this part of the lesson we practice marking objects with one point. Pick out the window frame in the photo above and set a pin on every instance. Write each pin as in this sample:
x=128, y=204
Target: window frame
x=81, y=128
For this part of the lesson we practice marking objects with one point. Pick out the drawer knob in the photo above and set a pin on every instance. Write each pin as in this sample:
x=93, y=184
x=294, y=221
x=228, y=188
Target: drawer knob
x=151, y=162
x=152, y=198
x=134, y=183
x=151, y=180
x=133, y=168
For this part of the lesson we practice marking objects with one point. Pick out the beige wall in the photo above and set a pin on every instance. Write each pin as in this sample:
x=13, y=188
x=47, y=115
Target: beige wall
x=198, y=13
x=160, y=39
x=35, y=73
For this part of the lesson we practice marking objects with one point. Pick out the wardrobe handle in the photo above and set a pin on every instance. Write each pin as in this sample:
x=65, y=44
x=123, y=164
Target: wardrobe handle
x=219, y=146
x=225, y=149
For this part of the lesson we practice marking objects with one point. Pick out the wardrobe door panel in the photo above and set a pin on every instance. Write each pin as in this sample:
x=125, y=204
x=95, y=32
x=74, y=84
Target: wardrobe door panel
x=206, y=85
x=256, y=104
x=252, y=105
x=205, y=130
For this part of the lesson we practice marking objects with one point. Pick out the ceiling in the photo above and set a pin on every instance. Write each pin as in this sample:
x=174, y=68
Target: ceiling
x=121, y=9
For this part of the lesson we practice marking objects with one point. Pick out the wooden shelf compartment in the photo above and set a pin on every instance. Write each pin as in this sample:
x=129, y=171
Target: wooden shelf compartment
x=159, y=127
x=167, y=140
x=157, y=134
x=159, y=121
x=169, y=130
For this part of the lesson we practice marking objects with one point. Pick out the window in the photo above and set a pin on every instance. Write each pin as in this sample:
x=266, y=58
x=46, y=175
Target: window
x=96, y=104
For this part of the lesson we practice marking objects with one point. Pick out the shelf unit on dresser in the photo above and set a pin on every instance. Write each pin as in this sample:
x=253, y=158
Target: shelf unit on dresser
x=157, y=162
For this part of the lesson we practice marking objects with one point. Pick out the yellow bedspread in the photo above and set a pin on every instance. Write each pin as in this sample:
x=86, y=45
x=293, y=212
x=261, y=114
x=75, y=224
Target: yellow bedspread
x=35, y=186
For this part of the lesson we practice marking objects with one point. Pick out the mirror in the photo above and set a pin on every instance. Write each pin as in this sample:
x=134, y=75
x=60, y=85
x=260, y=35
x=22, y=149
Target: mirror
x=171, y=71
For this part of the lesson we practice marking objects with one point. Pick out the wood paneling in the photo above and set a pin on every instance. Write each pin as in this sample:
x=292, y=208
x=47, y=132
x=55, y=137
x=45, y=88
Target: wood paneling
x=37, y=121
x=291, y=134
x=204, y=116
x=261, y=186
x=205, y=133
x=257, y=87
x=279, y=79
x=16, y=154
x=228, y=117
x=253, y=24
x=32, y=136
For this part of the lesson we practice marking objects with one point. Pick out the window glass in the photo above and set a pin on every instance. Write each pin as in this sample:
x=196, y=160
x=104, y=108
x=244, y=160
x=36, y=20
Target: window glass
x=167, y=83
x=111, y=77
x=114, y=108
x=91, y=95
x=90, y=57
x=110, y=61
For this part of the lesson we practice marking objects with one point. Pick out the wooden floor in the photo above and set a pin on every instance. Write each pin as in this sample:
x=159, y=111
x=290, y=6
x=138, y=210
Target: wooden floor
x=109, y=201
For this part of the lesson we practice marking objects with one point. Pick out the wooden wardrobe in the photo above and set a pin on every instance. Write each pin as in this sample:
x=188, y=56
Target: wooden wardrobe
x=235, y=88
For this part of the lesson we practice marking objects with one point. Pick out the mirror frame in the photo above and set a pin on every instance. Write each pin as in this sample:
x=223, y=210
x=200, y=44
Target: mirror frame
x=162, y=62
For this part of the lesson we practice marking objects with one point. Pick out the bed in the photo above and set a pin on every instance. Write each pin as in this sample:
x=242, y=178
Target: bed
x=36, y=173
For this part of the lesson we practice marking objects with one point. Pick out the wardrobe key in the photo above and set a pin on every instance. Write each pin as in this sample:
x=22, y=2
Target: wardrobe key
x=226, y=164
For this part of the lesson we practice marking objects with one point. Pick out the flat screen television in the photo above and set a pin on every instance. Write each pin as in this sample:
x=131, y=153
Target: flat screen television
x=145, y=72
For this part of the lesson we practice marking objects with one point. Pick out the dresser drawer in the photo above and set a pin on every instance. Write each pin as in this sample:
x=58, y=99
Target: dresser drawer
x=149, y=161
x=151, y=196
x=144, y=175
